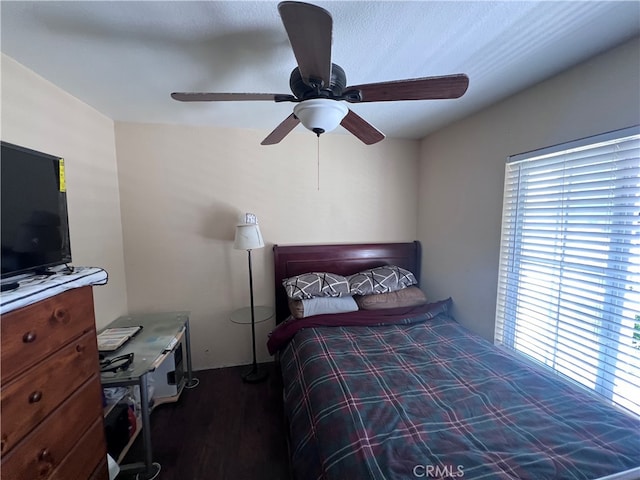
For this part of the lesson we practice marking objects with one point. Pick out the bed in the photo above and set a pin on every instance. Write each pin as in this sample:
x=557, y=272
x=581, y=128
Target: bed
x=409, y=393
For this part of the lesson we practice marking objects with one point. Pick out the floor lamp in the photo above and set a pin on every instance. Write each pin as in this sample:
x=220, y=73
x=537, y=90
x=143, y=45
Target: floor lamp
x=248, y=237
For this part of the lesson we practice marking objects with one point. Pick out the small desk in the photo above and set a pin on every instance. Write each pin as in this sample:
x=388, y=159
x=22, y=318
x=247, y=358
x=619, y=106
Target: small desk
x=243, y=315
x=160, y=333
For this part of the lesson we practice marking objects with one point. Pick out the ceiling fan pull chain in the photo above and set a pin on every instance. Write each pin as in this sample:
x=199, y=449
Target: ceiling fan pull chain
x=318, y=161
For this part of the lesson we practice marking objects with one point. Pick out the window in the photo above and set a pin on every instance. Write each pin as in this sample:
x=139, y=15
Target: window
x=569, y=277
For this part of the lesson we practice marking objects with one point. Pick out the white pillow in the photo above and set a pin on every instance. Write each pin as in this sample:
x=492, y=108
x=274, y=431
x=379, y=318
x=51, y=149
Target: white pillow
x=323, y=305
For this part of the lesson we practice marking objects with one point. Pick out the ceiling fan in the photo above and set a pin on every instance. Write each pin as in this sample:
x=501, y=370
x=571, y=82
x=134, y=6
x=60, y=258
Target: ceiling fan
x=320, y=88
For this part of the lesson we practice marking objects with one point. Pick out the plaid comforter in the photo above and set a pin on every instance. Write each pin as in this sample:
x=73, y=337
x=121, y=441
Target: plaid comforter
x=431, y=400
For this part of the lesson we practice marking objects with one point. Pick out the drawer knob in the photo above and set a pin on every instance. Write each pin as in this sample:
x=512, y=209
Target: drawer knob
x=60, y=315
x=35, y=397
x=29, y=337
x=45, y=456
x=46, y=460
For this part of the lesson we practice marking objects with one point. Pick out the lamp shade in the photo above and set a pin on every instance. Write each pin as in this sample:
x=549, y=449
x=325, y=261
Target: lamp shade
x=320, y=115
x=248, y=237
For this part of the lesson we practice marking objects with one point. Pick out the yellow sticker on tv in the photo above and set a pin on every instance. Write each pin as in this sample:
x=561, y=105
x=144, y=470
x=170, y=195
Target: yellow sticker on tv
x=63, y=185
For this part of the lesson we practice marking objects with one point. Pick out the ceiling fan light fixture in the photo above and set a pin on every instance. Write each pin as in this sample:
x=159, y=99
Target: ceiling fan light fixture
x=320, y=115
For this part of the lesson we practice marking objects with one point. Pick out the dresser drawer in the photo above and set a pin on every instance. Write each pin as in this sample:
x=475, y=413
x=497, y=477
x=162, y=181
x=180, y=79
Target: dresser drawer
x=32, y=333
x=28, y=399
x=82, y=461
x=102, y=472
x=44, y=449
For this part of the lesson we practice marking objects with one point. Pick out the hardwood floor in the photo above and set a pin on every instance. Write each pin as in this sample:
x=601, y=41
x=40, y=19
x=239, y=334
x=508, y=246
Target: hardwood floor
x=222, y=429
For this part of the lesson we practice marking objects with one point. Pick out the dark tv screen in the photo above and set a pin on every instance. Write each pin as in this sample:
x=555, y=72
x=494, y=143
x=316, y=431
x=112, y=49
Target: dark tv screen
x=33, y=202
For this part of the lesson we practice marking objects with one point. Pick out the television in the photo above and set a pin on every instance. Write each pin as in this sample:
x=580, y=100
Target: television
x=34, y=225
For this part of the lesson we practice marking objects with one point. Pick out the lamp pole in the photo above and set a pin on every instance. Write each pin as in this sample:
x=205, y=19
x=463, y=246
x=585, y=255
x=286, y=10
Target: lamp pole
x=253, y=375
x=253, y=317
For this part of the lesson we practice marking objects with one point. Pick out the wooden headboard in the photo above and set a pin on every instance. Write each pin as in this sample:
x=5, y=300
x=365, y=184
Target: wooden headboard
x=290, y=260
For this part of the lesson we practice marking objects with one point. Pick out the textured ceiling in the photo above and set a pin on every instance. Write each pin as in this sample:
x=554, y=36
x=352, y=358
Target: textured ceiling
x=125, y=58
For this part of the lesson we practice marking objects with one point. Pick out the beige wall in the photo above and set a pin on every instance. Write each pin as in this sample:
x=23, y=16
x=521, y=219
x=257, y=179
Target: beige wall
x=38, y=115
x=183, y=189
x=176, y=192
x=462, y=172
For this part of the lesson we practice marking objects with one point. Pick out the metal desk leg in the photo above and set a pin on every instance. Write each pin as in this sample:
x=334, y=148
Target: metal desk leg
x=147, y=470
x=151, y=469
x=191, y=382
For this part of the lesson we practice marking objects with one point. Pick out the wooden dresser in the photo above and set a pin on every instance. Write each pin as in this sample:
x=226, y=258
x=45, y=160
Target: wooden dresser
x=51, y=397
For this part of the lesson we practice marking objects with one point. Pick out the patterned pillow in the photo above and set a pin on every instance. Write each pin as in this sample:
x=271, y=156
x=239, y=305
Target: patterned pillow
x=316, y=284
x=388, y=278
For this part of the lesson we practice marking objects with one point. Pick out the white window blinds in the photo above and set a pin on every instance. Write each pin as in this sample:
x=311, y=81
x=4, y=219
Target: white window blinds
x=569, y=277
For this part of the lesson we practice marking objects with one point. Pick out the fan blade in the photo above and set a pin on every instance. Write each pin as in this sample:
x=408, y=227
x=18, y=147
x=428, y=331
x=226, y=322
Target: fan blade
x=428, y=88
x=281, y=130
x=309, y=30
x=228, y=97
x=362, y=129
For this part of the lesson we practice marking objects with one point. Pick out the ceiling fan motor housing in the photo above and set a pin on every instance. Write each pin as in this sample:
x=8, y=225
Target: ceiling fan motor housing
x=304, y=91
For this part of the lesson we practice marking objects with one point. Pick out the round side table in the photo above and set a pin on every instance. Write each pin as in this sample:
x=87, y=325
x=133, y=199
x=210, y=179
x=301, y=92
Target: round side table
x=243, y=315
